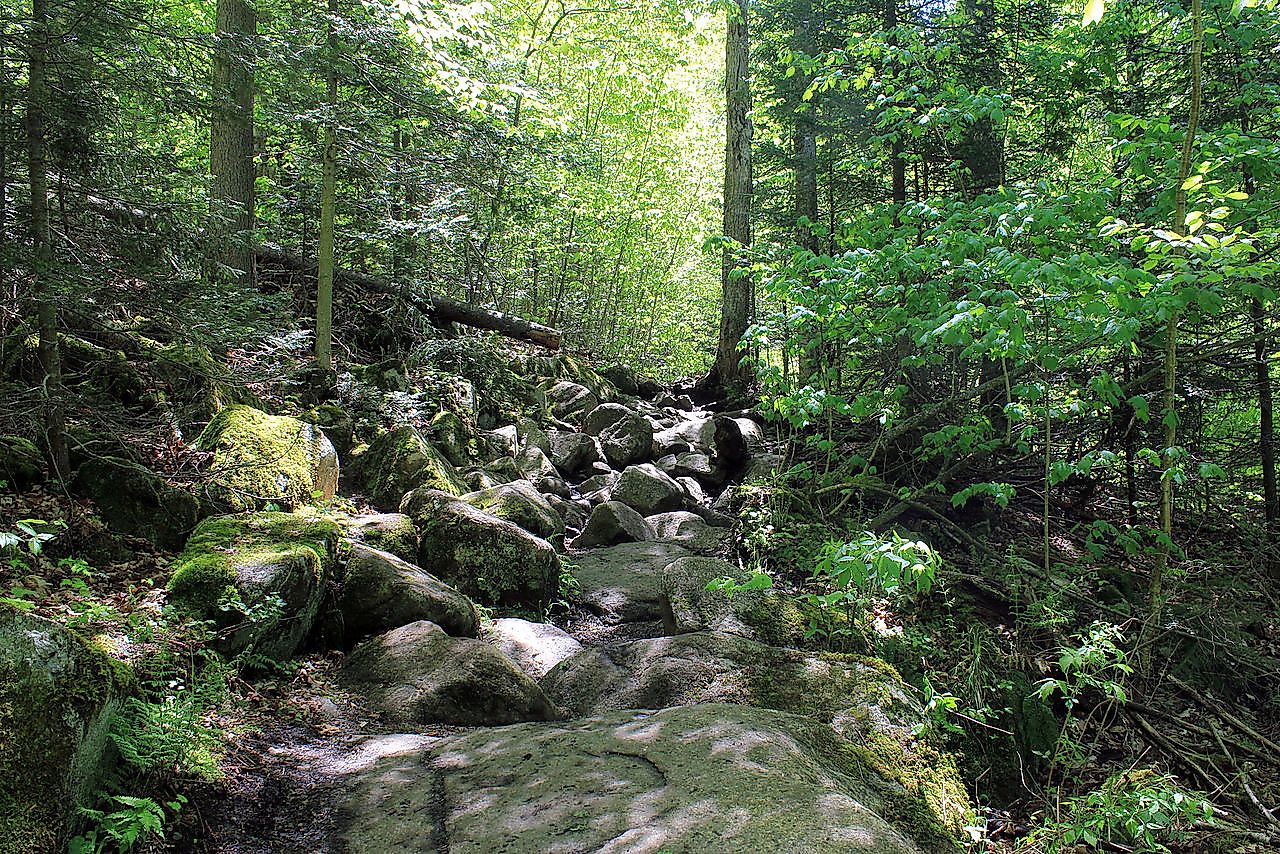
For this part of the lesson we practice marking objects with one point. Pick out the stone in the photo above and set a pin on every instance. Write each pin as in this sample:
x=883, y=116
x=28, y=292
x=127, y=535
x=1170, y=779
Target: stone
x=529, y=434
x=21, y=463
x=694, y=434
x=620, y=583
x=388, y=532
x=504, y=470
x=258, y=577
x=627, y=440
x=573, y=513
x=451, y=436
x=337, y=424
x=380, y=592
x=596, y=487
x=570, y=401
x=691, y=531
x=401, y=460
x=554, y=485
x=611, y=523
x=688, y=780
x=533, y=647
x=648, y=490
x=261, y=459
x=418, y=674
x=533, y=465
x=135, y=501
x=519, y=502
x=574, y=454
x=624, y=379
x=604, y=416
x=57, y=697
x=489, y=559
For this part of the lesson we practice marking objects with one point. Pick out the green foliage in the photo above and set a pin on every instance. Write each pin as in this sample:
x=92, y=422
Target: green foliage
x=871, y=564
x=133, y=821
x=1141, y=809
x=172, y=733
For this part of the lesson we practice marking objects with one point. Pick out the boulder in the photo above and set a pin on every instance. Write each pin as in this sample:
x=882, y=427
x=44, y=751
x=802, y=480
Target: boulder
x=451, y=436
x=261, y=459
x=611, y=523
x=57, y=696
x=648, y=490
x=136, y=501
x=21, y=463
x=604, y=416
x=503, y=470
x=380, y=592
x=529, y=434
x=388, y=532
x=519, y=502
x=627, y=440
x=489, y=559
x=534, y=647
x=401, y=460
x=620, y=584
x=691, y=531
x=503, y=442
x=534, y=465
x=573, y=513
x=554, y=485
x=570, y=401
x=688, y=780
x=418, y=674
x=596, y=487
x=258, y=577
x=574, y=454
x=624, y=379
x=337, y=424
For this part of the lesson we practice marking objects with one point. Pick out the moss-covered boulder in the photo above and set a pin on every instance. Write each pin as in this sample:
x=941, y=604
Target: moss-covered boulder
x=388, y=532
x=519, y=502
x=261, y=459
x=380, y=592
x=258, y=577
x=453, y=437
x=419, y=674
x=864, y=699
x=402, y=460
x=56, y=699
x=337, y=423
x=21, y=463
x=489, y=559
x=136, y=501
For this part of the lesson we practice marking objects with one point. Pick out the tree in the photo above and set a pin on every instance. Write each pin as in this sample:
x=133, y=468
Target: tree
x=231, y=136
x=736, y=289
x=328, y=205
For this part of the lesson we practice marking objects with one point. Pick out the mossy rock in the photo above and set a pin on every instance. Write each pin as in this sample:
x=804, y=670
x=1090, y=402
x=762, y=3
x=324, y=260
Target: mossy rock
x=57, y=695
x=387, y=375
x=261, y=459
x=388, y=532
x=453, y=438
x=403, y=460
x=21, y=463
x=196, y=383
x=489, y=559
x=258, y=577
x=338, y=425
x=138, y=502
x=520, y=503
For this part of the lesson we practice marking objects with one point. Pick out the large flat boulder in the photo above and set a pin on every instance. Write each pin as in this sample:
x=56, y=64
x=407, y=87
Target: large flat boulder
x=258, y=577
x=261, y=459
x=489, y=559
x=419, y=674
x=533, y=647
x=648, y=490
x=621, y=583
x=691, y=531
x=680, y=781
x=388, y=532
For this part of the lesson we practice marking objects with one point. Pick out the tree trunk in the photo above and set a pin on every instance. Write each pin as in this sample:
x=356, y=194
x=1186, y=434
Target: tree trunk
x=1266, y=424
x=328, y=203
x=735, y=308
x=231, y=136
x=1156, y=595
x=897, y=163
x=981, y=153
x=41, y=239
x=805, y=141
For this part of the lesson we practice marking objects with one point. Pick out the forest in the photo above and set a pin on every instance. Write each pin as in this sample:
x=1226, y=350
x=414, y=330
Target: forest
x=646, y=427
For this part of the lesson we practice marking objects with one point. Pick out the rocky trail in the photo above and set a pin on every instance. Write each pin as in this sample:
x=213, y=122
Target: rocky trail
x=436, y=707
x=651, y=716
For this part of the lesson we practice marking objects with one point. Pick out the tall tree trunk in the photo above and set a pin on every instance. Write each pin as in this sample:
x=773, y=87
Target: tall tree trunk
x=328, y=205
x=1156, y=595
x=735, y=307
x=805, y=140
x=231, y=135
x=42, y=240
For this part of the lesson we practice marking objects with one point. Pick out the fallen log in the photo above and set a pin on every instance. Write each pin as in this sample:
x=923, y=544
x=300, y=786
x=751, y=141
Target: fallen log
x=440, y=309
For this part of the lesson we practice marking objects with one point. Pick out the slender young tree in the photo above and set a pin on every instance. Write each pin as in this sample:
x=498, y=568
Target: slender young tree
x=328, y=203
x=735, y=308
x=231, y=135
x=42, y=238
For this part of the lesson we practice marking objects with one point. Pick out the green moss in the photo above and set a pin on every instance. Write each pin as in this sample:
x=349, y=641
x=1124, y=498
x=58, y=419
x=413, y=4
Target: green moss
x=402, y=460
x=21, y=463
x=56, y=695
x=261, y=458
x=275, y=567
